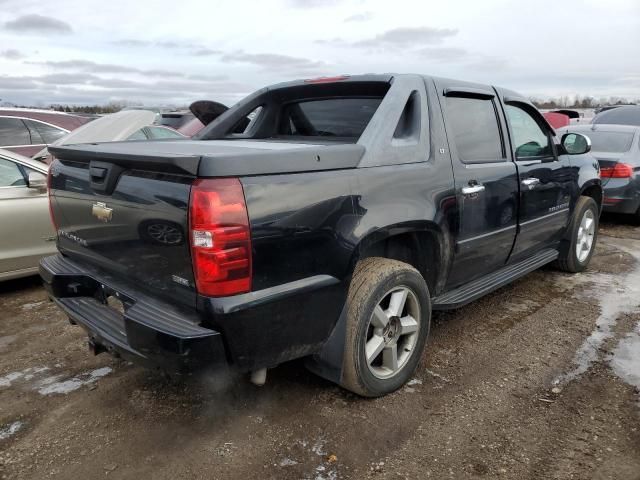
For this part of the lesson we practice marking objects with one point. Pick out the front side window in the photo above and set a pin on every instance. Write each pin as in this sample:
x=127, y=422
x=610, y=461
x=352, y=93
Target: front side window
x=335, y=117
x=13, y=132
x=10, y=174
x=529, y=139
x=475, y=129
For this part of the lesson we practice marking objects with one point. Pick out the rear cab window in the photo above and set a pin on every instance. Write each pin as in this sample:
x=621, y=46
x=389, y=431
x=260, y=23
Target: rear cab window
x=332, y=117
x=304, y=111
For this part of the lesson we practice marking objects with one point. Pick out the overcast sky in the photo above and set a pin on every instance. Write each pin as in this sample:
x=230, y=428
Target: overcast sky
x=173, y=52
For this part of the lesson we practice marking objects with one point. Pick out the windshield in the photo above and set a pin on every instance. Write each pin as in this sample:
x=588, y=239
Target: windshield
x=614, y=142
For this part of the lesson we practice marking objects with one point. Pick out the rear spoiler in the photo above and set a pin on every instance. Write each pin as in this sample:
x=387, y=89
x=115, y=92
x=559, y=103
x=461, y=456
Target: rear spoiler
x=174, y=163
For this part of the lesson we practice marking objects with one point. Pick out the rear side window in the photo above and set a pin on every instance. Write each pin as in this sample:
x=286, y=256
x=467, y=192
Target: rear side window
x=159, y=132
x=10, y=174
x=476, y=134
x=138, y=135
x=49, y=133
x=335, y=117
x=529, y=139
x=13, y=131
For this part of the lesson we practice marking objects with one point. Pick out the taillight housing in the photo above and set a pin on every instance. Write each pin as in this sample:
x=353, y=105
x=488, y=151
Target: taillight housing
x=220, y=237
x=53, y=219
x=619, y=170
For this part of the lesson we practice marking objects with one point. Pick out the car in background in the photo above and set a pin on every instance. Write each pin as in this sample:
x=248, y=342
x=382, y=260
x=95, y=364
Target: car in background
x=155, y=132
x=175, y=119
x=120, y=126
x=27, y=131
x=622, y=115
x=27, y=232
x=617, y=149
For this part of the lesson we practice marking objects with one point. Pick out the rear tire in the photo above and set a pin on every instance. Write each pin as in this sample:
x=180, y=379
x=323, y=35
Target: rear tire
x=578, y=249
x=388, y=320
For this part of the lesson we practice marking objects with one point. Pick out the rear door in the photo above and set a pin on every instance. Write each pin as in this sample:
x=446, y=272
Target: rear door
x=486, y=179
x=546, y=178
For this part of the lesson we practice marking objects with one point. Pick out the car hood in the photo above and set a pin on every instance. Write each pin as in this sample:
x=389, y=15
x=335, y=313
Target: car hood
x=110, y=128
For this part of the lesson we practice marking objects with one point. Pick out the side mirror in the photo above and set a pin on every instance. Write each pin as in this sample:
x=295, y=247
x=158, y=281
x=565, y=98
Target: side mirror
x=37, y=180
x=576, y=143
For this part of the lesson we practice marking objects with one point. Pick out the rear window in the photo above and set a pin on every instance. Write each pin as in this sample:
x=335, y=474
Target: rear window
x=335, y=117
x=614, y=142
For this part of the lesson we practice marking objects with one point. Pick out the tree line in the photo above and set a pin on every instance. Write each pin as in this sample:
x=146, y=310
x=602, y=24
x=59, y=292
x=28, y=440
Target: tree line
x=578, y=101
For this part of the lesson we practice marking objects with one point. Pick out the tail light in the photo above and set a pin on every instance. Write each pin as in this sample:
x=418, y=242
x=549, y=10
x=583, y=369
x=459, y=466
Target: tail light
x=53, y=219
x=619, y=170
x=220, y=237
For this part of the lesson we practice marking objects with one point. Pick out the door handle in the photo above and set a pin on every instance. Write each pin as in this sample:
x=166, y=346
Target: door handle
x=530, y=183
x=472, y=189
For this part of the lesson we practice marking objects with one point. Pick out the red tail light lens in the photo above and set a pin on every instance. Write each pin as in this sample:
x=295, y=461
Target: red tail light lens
x=53, y=219
x=220, y=237
x=620, y=170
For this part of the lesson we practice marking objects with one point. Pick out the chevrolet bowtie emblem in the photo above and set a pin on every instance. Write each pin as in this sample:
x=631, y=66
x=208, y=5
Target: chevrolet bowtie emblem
x=102, y=212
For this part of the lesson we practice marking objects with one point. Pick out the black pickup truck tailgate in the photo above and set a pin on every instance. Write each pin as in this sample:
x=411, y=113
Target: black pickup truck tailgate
x=124, y=206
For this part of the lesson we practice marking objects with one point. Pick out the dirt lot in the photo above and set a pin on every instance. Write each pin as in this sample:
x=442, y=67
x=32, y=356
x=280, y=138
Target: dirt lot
x=539, y=380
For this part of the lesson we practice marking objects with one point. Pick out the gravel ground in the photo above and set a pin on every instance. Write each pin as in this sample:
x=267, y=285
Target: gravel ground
x=538, y=380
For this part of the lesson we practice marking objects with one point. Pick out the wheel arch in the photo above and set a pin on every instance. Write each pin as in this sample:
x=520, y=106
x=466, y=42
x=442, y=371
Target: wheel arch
x=593, y=189
x=421, y=244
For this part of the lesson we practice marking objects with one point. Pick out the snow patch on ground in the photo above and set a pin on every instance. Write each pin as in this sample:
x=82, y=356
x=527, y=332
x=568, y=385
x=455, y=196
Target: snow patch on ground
x=26, y=374
x=625, y=358
x=10, y=429
x=617, y=295
x=52, y=385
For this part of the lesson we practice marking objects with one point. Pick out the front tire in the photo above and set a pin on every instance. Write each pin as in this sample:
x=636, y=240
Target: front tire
x=583, y=235
x=388, y=320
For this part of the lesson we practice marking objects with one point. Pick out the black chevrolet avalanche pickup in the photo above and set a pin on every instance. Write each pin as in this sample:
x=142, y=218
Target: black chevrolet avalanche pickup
x=323, y=219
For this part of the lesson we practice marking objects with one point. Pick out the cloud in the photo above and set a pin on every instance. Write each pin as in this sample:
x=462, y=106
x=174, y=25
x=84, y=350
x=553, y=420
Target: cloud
x=407, y=37
x=89, y=66
x=443, y=54
x=166, y=44
x=313, y=3
x=204, y=52
x=131, y=42
x=12, y=54
x=66, y=78
x=359, y=17
x=35, y=23
x=274, y=61
x=16, y=83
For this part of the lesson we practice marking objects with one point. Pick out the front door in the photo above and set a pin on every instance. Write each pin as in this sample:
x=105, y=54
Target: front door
x=486, y=180
x=545, y=180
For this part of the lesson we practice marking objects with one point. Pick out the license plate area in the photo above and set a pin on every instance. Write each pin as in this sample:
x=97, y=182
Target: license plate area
x=114, y=303
x=114, y=300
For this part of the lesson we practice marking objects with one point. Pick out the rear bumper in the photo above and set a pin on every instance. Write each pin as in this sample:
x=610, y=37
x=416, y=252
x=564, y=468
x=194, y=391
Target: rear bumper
x=148, y=332
x=622, y=196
